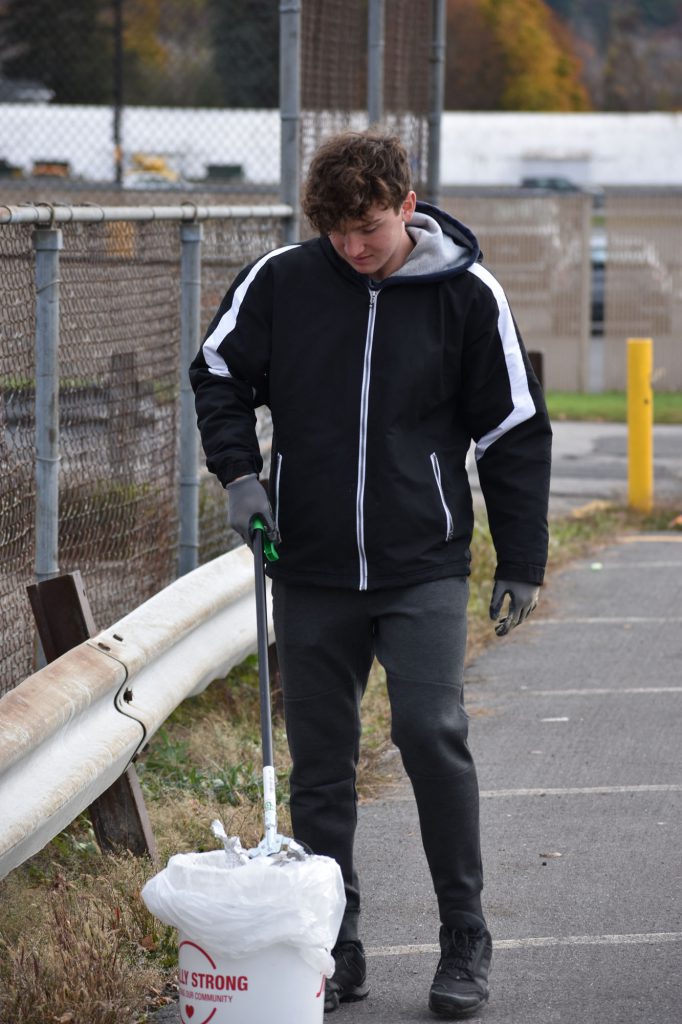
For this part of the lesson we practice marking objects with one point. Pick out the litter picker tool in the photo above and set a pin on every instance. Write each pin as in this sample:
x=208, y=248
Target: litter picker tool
x=272, y=842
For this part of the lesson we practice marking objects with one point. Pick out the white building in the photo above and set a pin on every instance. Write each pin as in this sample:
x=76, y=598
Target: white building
x=591, y=150
x=595, y=150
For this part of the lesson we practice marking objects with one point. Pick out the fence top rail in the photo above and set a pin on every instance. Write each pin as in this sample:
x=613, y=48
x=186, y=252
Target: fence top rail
x=91, y=213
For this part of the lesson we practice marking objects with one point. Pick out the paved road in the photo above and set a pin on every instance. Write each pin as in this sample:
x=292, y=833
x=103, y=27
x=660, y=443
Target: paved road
x=576, y=733
x=590, y=463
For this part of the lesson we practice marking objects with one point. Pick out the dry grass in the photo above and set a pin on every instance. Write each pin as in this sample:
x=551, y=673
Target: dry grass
x=77, y=945
x=76, y=951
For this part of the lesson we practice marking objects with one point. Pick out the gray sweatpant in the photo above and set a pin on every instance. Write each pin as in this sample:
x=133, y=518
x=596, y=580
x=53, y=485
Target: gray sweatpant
x=326, y=642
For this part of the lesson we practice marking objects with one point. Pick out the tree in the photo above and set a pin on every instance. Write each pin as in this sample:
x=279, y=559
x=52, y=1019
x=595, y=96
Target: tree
x=511, y=55
x=642, y=69
x=474, y=75
x=67, y=47
x=245, y=38
x=624, y=78
x=167, y=49
x=542, y=71
x=168, y=53
x=631, y=51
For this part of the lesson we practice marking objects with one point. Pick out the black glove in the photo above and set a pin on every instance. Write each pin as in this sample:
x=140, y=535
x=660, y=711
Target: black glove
x=523, y=597
x=248, y=498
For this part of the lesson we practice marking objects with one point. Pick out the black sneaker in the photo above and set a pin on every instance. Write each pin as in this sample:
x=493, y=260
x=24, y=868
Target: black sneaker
x=460, y=985
x=348, y=983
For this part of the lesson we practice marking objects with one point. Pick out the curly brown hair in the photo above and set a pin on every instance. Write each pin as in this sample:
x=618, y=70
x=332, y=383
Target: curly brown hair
x=352, y=171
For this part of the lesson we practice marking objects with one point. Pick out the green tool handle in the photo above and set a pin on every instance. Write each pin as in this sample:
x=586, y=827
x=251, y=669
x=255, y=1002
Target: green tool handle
x=269, y=549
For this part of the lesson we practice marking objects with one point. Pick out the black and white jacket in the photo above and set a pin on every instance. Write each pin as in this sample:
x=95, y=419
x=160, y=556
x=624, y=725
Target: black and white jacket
x=376, y=390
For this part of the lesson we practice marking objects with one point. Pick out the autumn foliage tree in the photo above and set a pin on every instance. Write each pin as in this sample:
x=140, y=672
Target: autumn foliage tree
x=175, y=52
x=169, y=53
x=510, y=55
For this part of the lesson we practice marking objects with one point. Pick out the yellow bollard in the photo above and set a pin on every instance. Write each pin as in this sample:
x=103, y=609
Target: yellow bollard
x=640, y=424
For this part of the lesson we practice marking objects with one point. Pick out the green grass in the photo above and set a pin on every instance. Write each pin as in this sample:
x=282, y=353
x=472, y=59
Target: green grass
x=610, y=406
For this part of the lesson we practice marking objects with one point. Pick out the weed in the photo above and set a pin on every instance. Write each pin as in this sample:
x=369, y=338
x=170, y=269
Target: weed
x=78, y=965
x=168, y=766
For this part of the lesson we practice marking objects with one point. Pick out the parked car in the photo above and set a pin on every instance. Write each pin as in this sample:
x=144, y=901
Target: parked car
x=553, y=184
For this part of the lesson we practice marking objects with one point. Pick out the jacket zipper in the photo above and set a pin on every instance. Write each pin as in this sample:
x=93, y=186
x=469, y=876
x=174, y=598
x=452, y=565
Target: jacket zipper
x=449, y=525
x=362, y=444
x=278, y=473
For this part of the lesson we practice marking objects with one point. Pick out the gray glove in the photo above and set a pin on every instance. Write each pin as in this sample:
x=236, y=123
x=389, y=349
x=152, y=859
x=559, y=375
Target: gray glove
x=523, y=597
x=248, y=498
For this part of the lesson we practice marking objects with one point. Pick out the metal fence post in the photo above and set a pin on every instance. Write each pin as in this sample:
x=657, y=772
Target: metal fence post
x=118, y=91
x=191, y=236
x=436, y=99
x=587, y=379
x=47, y=242
x=375, y=62
x=290, y=111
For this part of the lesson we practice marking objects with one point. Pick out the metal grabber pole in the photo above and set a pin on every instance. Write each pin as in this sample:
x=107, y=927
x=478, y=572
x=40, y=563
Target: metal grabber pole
x=272, y=842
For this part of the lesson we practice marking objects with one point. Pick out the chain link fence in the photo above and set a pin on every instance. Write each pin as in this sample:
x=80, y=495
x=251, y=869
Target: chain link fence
x=17, y=484
x=116, y=102
x=173, y=94
x=409, y=29
x=119, y=378
x=118, y=383
x=538, y=247
x=334, y=73
x=583, y=278
x=183, y=94
x=638, y=252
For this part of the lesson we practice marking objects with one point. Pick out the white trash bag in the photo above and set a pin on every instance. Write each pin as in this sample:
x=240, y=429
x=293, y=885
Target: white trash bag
x=237, y=906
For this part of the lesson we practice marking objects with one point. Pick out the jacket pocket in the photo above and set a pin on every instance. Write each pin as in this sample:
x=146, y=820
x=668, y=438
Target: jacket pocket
x=449, y=525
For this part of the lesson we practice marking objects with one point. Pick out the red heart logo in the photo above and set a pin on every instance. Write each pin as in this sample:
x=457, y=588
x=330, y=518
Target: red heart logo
x=189, y=1010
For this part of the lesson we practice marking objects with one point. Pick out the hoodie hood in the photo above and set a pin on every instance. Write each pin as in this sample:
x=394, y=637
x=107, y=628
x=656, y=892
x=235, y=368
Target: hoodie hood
x=443, y=246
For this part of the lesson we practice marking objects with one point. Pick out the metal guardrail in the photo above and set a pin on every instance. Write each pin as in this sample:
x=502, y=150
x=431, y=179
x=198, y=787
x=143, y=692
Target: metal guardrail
x=68, y=731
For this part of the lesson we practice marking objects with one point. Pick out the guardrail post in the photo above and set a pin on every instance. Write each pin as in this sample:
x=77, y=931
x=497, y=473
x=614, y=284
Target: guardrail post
x=290, y=110
x=64, y=620
x=47, y=242
x=640, y=424
x=191, y=236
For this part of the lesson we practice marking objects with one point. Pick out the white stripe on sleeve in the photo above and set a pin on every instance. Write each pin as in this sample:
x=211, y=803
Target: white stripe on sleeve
x=524, y=406
x=228, y=320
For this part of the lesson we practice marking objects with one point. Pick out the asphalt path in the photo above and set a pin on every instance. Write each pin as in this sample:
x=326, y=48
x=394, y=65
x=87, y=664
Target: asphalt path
x=575, y=728
x=590, y=463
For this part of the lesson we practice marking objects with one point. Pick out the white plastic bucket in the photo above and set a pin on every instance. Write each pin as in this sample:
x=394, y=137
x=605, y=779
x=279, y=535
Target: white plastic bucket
x=274, y=984
x=254, y=936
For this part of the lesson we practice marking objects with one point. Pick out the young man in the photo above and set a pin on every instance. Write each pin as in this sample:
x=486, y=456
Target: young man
x=382, y=348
